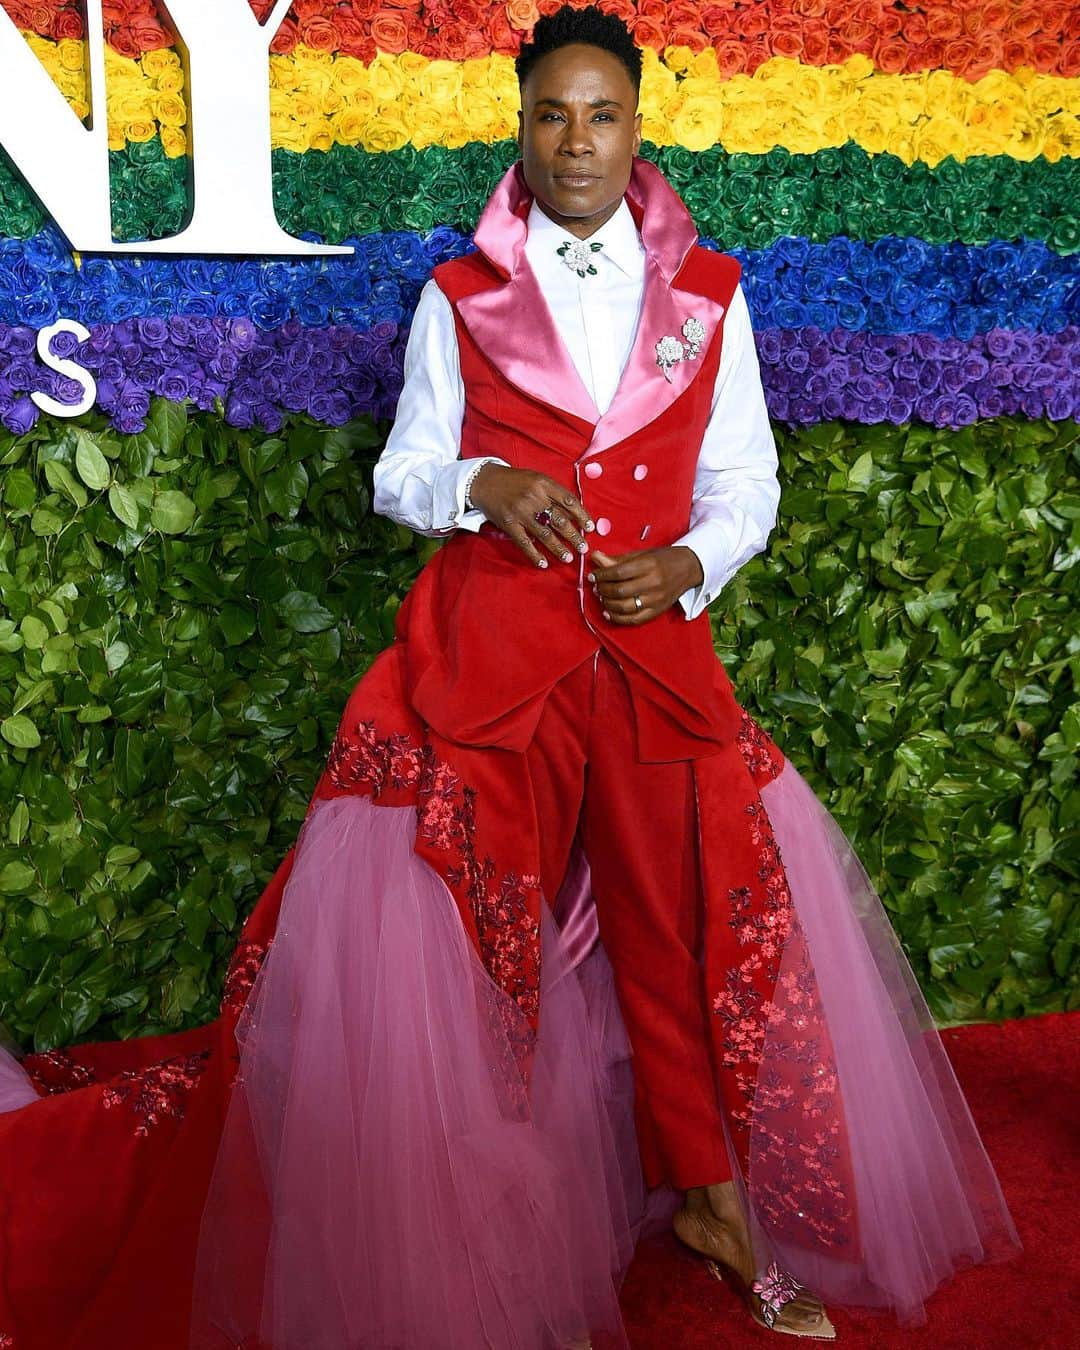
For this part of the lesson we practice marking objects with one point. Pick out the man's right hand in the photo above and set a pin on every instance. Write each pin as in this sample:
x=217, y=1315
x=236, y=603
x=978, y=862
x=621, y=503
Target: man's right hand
x=510, y=498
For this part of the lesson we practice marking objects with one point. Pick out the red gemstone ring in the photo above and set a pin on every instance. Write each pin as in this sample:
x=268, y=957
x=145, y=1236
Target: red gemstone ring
x=543, y=517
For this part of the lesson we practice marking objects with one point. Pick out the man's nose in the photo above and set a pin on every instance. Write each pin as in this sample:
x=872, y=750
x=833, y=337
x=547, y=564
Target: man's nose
x=576, y=140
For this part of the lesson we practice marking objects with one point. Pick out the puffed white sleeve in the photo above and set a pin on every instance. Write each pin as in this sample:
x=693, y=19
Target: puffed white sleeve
x=419, y=478
x=736, y=488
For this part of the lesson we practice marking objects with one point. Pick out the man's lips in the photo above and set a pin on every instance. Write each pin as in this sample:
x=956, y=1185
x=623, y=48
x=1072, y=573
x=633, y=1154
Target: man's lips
x=575, y=177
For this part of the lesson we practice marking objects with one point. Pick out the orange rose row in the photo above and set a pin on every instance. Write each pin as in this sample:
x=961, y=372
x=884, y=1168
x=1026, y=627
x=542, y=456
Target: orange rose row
x=967, y=37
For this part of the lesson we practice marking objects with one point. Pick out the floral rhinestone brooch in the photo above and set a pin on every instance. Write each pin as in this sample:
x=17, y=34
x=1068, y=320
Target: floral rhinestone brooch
x=577, y=255
x=671, y=350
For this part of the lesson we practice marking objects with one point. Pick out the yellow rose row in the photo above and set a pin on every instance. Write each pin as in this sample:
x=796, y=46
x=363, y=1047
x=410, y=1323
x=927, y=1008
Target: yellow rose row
x=318, y=99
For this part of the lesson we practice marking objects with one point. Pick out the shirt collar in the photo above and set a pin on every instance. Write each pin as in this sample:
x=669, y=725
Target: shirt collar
x=619, y=237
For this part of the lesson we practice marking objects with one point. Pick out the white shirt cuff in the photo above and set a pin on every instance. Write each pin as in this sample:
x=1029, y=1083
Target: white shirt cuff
x=448, y=495
x=710, y=542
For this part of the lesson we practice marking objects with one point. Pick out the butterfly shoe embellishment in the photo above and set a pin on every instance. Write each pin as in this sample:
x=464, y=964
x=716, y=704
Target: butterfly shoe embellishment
x=671, y=350
x=577, y=255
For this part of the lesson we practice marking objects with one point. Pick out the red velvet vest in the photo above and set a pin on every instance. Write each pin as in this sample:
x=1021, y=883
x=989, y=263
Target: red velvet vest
x=488, y=633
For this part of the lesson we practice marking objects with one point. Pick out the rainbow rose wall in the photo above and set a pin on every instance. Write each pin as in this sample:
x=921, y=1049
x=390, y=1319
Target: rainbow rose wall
x=192, y=578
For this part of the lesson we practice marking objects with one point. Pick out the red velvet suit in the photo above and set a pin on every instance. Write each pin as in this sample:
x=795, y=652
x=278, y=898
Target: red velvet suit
x=487, y=650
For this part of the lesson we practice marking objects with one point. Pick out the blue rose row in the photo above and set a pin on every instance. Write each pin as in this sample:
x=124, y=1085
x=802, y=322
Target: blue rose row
x=338, y=372
x=891, y=285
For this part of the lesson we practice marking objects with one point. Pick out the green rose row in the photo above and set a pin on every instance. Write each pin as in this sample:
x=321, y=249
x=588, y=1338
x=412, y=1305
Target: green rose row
x=740, y=200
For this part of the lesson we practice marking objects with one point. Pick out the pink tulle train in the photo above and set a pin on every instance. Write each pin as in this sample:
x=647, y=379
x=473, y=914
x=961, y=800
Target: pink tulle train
x=928, y=1201
x=384, y=1183
x=382, y=1180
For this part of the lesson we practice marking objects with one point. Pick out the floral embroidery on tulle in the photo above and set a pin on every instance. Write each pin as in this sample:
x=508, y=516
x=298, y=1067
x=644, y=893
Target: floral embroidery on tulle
x=244, y=966
x=55, y=1071
x=763, y=757
x=158, y=1090
x=798, y=1186
x=503, y=909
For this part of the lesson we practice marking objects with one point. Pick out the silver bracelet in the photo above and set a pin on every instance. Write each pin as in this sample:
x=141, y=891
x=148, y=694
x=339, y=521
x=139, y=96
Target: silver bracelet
x=468, y=485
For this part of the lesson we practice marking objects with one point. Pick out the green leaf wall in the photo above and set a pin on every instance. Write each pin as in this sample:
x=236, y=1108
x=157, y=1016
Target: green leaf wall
x=183, y=614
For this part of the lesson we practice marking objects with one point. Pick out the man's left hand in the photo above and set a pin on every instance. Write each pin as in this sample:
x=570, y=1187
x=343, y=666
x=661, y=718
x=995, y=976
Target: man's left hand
x=658, y=575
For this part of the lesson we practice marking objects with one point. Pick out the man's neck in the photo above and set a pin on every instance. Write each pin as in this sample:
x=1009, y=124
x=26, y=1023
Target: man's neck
x=580, y=226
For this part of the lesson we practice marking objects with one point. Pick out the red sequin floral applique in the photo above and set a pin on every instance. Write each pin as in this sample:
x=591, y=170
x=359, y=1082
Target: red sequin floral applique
x=763, y=757
x=503, y=909
x=157, y=1091
x=780, y=1051
x=55, y=1071
x=244, y=966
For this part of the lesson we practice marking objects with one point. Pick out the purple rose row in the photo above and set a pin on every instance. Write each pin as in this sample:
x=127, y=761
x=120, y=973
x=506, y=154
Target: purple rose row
x=333, y=374
x=339, y=372
x=814, y=376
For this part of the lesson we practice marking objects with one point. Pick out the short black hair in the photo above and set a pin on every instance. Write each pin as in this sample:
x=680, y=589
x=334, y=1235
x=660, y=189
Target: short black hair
x=590, y=25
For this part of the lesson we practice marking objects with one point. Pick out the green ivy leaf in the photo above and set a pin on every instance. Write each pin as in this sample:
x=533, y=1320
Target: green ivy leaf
x=166, y=424
x=303, y=613
x=90, y=464
x=61, y=479
x=172, y=512
x=18, y=822
x=20, y=732
x=35, y=633
x=45, y=522
x=124, y=506
x=237, y=624
x=20, y=490
x=285, y=489
x=16, y=877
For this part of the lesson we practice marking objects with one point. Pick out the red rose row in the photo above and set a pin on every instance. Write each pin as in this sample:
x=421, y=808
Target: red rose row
x=967, y=37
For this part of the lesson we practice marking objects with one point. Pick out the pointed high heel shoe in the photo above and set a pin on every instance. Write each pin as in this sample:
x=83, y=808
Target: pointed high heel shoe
x=767, y=1296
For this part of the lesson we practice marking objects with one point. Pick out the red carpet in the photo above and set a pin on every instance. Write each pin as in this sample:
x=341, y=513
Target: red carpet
x=1022, y=1082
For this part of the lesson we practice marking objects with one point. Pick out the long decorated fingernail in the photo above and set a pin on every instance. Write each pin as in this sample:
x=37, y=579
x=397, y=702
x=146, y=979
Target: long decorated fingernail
x=542, y=562
x=590, y=576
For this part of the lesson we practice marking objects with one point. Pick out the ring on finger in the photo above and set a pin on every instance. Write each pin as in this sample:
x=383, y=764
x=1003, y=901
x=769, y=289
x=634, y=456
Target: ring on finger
x=637, y=602
x=542, y=517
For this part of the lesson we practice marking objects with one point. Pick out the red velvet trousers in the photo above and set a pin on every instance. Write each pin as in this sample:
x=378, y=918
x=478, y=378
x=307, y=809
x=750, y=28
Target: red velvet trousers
x=639, y=829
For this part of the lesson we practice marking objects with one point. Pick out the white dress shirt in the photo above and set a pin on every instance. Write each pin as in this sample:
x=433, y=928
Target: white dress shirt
x=419, y=478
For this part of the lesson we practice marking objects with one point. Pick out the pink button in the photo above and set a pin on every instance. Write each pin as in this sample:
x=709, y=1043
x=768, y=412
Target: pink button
x=593, y=470
x=603, y=525
x=640, y=470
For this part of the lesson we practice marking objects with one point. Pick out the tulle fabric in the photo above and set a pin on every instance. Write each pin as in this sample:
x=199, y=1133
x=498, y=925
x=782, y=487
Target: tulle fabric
x=927, y=1200
x=382, y=1180
x=16, y=1089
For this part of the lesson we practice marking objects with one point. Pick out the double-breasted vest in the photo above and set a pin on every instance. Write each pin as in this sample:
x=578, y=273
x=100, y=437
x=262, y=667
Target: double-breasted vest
x=488, y=632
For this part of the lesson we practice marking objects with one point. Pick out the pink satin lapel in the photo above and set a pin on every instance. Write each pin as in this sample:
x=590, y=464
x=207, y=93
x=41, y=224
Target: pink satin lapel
x=643, y=392
x=511, y=323
x=513, y=327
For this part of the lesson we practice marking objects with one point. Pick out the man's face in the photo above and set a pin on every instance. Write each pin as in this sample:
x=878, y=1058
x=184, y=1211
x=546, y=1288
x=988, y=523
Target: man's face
x=578, y=117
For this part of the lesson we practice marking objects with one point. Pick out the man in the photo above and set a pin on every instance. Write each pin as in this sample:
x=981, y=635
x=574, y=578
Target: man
x=581, y=273
x=413, y=1122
